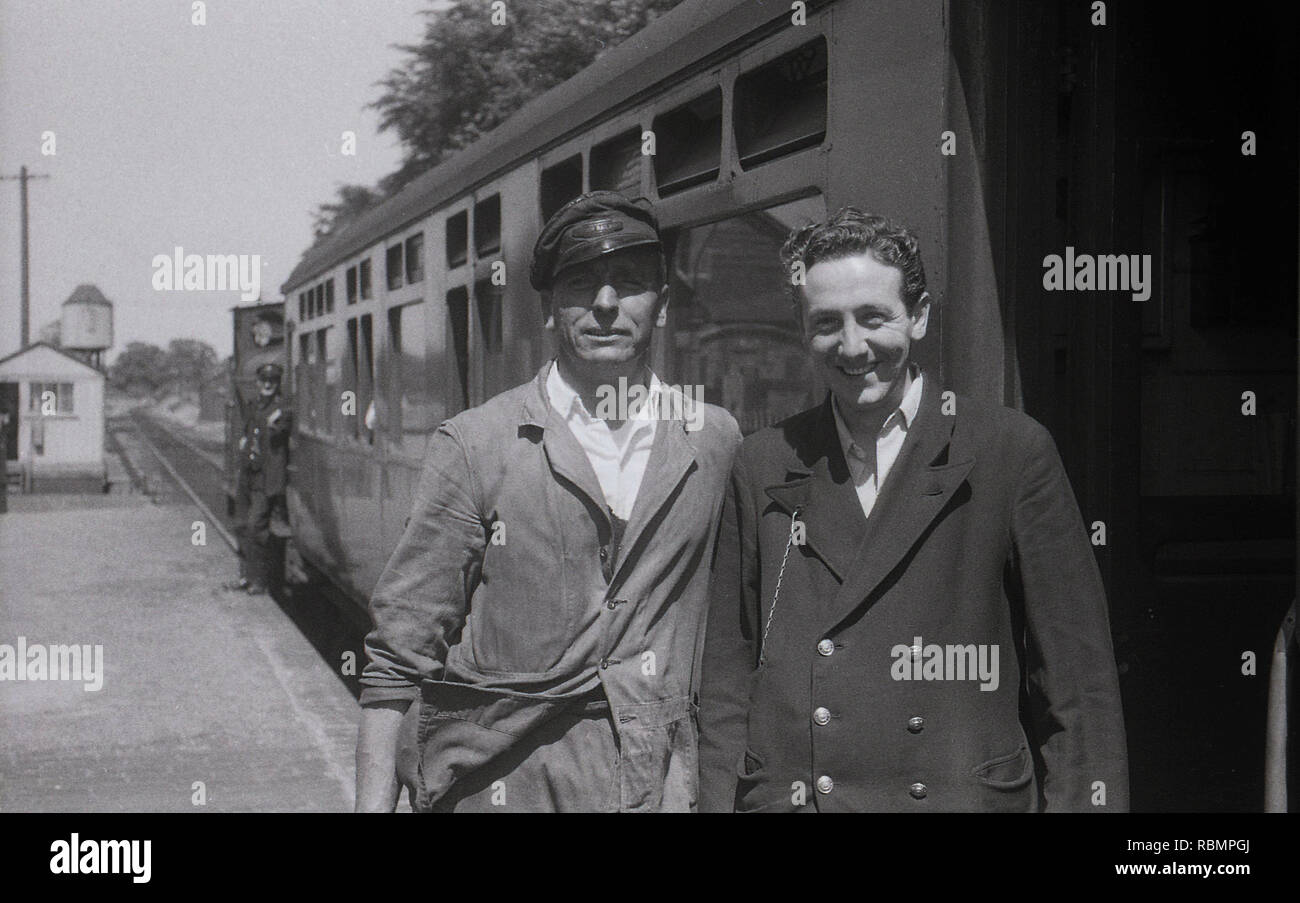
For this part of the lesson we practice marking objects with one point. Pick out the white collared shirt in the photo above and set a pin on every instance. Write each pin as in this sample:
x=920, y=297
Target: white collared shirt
x=870, y=467
x=618, y=456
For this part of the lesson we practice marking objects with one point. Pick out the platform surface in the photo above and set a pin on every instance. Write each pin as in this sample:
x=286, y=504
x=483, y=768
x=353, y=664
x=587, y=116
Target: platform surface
x=211, y=701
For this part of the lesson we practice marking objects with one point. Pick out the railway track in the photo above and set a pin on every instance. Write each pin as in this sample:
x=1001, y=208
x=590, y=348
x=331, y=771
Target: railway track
x=181, y=469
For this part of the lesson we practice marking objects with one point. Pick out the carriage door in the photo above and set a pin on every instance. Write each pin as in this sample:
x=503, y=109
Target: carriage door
x=1175, y=414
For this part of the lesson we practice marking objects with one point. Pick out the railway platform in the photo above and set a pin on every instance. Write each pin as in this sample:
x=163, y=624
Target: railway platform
x=207, y=700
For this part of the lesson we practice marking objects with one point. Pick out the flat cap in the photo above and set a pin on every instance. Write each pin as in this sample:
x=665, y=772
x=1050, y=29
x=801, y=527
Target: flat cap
x=590, y=225
x=269, y=371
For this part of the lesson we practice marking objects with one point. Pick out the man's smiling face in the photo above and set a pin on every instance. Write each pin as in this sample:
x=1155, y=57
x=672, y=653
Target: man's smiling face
x=859, y=330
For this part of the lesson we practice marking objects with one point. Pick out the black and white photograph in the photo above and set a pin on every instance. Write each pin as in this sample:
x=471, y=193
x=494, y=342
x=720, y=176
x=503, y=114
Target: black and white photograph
x=707, y=407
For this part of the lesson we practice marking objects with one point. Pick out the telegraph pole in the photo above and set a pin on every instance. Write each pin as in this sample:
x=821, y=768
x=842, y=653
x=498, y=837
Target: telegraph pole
x=22, y=178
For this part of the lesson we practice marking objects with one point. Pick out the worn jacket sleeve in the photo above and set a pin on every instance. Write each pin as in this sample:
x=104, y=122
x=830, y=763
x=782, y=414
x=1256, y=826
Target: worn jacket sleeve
x=1074, y=700
x=422, y=599
x=730, y=647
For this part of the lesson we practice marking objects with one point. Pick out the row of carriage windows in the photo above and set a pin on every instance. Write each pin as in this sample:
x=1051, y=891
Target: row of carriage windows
x=778, y=108
x=732, y=330
x=403, y=265
x=344, y=389
x=316, y=301
x=731, y=324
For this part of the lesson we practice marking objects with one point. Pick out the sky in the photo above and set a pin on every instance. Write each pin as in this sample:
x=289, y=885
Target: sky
x=217, y=138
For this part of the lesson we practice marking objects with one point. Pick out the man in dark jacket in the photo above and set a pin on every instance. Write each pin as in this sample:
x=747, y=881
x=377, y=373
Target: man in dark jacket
x=263, y=475
x=906, y=613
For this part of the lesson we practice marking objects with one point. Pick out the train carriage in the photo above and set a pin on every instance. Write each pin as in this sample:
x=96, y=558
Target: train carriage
x=1000, y=132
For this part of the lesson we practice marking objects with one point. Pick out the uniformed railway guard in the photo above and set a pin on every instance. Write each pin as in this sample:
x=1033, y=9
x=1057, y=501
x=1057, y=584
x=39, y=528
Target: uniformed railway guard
x=539, y=622
x=263, y=474
x=906, y=615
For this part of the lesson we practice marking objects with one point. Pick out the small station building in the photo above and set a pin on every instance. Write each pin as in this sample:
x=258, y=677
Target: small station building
x=52, y=402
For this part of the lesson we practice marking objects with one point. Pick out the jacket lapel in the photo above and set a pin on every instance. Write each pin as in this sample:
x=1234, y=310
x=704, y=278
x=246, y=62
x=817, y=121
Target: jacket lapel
x=567, y=459
x=919, y=486
x=672, y=457
x=818, y=484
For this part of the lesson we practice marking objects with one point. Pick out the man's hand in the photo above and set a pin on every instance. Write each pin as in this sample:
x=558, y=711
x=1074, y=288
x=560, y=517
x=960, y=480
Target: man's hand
x=377, y=739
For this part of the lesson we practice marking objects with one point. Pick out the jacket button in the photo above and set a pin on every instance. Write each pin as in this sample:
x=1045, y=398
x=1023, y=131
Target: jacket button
x=918, y=791
x=826, y=647
x=604, y=553
x=916, y=724
x=825, y=784
x=611, y=605
x=821, y=715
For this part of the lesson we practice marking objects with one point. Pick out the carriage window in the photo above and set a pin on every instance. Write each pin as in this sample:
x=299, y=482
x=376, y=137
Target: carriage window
x=314, y=404
x=328, y=361
x=458, y=320
x=350, y=381
x=414, y=410
x=415, y=258
x=303, y=380
x=364, y=275
x=458, y=239
x=688, y=144
x=488, y=305
x=393, y=267
x=561, y=183
x=488, y=297
x=366, y=372
x=780, y=107
x=360, y=375
x=329, y=296
x=352, y=285
x=616, y=164
x=733, y=328
x=487, y=226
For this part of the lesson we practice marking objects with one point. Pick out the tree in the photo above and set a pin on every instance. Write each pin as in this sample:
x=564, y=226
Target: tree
x=189, y=363
x=469, y=75
x=140, y=369
x=350, y=202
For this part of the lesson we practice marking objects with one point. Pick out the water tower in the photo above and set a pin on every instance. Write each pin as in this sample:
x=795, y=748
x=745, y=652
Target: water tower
x=87, y=327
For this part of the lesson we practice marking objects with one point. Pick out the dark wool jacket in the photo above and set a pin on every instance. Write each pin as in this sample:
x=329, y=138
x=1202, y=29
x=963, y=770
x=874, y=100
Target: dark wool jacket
x=975, y=545
x=264, y=455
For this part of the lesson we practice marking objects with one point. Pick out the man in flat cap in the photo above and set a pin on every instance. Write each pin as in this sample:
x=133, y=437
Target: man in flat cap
x=263, y=472
x=537, y=630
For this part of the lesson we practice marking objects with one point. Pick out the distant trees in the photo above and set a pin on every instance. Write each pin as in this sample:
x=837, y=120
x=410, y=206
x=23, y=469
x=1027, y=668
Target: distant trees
x=183, y=368
x=469, y=73
x=349, y=202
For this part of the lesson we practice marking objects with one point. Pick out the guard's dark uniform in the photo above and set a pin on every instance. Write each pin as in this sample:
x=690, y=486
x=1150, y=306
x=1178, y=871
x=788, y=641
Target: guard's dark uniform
x=263, y=475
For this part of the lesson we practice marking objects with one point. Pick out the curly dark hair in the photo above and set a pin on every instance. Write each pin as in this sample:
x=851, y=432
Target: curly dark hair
x=849, y=232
